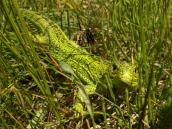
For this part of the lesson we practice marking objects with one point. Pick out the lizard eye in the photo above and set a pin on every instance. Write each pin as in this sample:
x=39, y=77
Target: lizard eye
x=114, y=67
x=135, y=70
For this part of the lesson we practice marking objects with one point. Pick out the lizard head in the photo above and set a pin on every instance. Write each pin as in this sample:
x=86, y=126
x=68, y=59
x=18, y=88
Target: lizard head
x=127, y=73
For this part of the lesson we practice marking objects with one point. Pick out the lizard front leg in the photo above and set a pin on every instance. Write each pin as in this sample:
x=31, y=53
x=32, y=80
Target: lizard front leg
x=83, y=96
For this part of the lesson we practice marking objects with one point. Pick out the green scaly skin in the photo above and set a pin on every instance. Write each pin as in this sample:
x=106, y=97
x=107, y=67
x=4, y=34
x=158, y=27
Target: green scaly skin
x=89, y=68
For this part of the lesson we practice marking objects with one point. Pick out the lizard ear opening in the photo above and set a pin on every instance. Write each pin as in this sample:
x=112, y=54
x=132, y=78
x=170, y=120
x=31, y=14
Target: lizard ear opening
x=114, y=67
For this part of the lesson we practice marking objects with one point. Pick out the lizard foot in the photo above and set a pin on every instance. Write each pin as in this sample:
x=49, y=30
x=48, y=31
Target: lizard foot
x=79, y=110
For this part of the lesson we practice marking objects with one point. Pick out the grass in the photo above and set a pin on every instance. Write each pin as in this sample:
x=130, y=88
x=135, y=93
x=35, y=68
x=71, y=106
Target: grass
x=33, y=87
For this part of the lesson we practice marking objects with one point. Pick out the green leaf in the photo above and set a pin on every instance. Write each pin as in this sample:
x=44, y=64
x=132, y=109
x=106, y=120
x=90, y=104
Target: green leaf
x=67, y=68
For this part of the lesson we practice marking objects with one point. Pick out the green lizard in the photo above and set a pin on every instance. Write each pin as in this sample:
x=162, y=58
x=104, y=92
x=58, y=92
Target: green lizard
x=89, y=68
